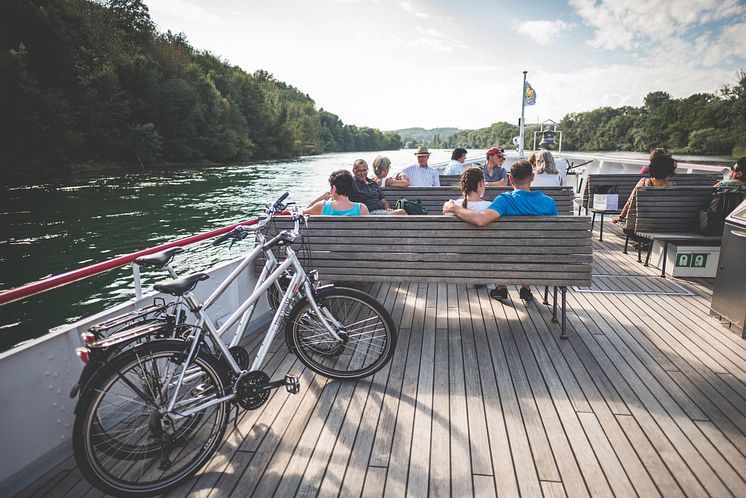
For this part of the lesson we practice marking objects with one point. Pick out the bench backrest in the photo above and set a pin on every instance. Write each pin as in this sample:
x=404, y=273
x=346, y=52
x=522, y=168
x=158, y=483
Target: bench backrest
x=670, y=209
x=624, y=183
x=448, y=180
x=535, y=250
x=433, y=197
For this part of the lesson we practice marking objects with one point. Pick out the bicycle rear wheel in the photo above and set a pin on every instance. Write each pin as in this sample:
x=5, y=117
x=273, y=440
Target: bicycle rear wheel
x=368, y=332
x=124, y=441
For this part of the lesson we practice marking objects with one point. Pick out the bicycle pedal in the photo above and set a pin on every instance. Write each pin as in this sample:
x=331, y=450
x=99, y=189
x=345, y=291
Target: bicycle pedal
x=292, y=384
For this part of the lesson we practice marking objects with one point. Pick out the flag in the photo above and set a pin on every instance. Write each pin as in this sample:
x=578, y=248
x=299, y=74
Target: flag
x=529, y=95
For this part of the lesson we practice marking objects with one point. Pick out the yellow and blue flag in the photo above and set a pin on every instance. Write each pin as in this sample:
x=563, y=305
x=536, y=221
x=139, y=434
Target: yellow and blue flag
x=529, y=95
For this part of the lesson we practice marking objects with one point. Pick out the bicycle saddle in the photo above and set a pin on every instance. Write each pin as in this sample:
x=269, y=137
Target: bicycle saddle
x=181, y=285
x=159, y=259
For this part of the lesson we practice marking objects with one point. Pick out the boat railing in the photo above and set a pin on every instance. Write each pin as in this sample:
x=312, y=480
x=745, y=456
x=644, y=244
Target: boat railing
x=602, y=159
x=55, y=281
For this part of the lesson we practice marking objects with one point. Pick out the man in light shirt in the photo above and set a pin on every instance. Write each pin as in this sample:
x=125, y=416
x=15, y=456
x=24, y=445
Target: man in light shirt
x=420, y=174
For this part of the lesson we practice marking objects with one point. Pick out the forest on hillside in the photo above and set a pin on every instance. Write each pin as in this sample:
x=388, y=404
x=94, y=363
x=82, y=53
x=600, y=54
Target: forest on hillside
x=703, y=123
x=412, y=137
x=85, y=82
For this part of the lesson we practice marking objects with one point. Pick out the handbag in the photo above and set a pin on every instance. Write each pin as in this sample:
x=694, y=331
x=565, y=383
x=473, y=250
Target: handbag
x=411, y=206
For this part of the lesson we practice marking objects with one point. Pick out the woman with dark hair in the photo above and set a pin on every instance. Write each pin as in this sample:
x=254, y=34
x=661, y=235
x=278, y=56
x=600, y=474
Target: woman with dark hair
x=456, y=166
x=737, y=175
x=340, y=183
x=472, y=190
x=662, y=167
x=658, y=151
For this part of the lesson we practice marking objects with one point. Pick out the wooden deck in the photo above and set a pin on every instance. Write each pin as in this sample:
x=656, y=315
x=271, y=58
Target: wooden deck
x=647, y=397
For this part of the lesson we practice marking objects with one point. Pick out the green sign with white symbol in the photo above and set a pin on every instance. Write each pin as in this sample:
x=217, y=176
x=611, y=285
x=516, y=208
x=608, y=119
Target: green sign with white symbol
x=693, y=260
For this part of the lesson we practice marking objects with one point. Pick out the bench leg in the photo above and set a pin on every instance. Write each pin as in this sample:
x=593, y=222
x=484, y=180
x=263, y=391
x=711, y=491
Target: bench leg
x=546, y=294
x=601, y=235
x=593, y=221
x=665, y=257
x=564, y=311
x=554, y=306
x=639, y=251
x=650, y=249
x=626, y=244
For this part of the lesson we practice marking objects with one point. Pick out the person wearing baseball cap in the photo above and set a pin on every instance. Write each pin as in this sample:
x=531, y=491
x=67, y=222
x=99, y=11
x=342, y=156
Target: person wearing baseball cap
x=494, y=173
x=420, y=174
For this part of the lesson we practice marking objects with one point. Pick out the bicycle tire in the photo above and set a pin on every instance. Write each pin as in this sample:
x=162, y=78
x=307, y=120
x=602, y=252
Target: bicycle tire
x=119, y=441
x=371, y=334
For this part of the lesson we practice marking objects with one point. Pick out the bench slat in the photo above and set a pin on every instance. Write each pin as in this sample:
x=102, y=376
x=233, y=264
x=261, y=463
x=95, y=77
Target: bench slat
x=482, y=246
x=451, y=257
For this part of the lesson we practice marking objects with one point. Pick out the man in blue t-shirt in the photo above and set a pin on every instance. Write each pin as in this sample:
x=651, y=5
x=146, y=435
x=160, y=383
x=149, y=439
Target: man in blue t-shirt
x=522, y=201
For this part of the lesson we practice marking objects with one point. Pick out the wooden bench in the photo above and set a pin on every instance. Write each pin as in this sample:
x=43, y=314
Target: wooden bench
x=449, y=180
x=535, y=250
x=671, y=214
x=623, y=184
x=433, y=197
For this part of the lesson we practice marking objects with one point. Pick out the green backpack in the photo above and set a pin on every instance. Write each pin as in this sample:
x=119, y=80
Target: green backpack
x=413, y=206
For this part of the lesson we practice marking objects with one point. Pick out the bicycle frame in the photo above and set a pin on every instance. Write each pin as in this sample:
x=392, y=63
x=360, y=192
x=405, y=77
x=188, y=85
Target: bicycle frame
x=206, y=326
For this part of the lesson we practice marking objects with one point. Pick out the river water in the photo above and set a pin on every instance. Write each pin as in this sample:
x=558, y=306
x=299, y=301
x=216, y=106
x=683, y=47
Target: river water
x=51, y=228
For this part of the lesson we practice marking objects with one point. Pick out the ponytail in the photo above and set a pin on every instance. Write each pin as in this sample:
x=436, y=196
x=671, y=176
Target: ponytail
x=470, y=179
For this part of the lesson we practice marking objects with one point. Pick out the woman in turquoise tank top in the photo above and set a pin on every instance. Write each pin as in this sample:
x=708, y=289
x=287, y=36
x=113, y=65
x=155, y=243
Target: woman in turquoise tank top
x=338, y=204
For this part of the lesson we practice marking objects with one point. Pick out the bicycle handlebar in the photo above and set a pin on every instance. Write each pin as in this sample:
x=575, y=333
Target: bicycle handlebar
x=277, y=206
x=272, y=210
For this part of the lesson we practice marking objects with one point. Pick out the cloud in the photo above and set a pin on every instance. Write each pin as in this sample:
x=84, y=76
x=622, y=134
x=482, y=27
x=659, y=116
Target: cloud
x=408, y=7
x=185, y=10
x=437, y=41
x=543, y=32
x=731, y=44
x=634, y=23
x=432, y=44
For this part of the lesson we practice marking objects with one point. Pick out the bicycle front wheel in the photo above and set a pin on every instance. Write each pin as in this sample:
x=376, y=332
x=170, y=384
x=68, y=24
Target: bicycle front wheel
x=368, y=334
x=127, y=443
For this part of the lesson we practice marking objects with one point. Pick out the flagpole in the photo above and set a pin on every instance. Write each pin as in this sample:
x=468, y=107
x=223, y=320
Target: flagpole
x=523, y=108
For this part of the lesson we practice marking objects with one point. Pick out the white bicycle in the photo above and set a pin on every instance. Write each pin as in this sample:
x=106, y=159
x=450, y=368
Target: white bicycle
x=154, y=414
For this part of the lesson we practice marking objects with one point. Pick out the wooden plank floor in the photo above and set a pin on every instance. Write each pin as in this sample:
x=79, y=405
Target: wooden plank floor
x=647, y=397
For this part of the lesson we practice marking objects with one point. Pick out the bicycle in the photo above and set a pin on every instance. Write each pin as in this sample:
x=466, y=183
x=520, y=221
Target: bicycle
x=158, y=410
x=164, y=320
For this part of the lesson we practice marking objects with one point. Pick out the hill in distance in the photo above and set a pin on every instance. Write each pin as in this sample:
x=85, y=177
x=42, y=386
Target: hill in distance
x=417, y=136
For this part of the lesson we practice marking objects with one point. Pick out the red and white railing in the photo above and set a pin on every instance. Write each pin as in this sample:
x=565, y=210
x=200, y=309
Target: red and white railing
x=55, y=281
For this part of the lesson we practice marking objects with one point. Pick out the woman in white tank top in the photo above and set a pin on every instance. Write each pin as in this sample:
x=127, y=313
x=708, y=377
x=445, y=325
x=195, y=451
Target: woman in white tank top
x=472, y=189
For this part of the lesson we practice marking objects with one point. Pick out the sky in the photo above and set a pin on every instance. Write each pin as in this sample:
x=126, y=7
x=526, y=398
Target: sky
x=394, y=64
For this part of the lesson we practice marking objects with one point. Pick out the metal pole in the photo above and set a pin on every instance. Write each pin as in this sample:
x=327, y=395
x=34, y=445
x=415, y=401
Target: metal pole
x=523, y=108
x=136, y=278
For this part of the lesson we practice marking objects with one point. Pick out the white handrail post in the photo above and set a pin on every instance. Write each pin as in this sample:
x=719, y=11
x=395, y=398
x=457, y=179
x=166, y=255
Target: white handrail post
x=136, y=278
